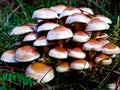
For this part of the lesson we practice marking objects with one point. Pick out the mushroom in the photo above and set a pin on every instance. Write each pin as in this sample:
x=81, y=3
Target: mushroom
x=26, y=53
x=114, y=86
x=95, y=26
x=59, y=33
x=92, y=46
x=104, y=18
x=76, y=53
x=103, y=59
x=47, y=26
x=30, y=37
x=79, y=64
x=40, y=72
x=86, y=10
x=79, y=20
x=58, y=8
x=45, y=14
x=110, y=49
x=22, y=29
x=67, y=12
x=80, y=37
x=102, y=41
x=63, y=67
x=42, y=41
x=8, y=56
x=58, y=52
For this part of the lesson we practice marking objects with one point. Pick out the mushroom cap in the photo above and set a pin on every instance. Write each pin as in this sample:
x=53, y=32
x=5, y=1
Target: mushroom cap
x=112, y=86
x=86, y=10
x=58, y=52
x=58, y=33
x=44, y=13
x=79, y=64
x=69, y=11
x=77, y=17
x=31, y=36
x=22, y=29
x=96, y=25
x=110, y=48
x=102, y=41
x=103, y=59
x=47, y=26
x=102, y=35
x=80, y=36
x=104, y=18
x=76, y=53
x=58, y=8
x=26, y=53
x=40, y=72
x=92, y=45
x=8, y=56
x=63, y=67
x=42, y=41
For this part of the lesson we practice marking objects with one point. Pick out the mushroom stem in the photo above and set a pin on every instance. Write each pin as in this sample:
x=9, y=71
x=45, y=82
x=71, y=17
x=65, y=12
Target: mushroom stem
x=95, y=34
x=78, y=26
x=46, y=49
x=59, y=43
x=91, y=55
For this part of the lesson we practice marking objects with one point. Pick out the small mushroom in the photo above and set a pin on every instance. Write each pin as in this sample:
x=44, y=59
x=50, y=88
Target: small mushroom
x=45, y=14
x=8, y=56
x=42, y=41
x=79, y=20
x=67, y=12
x=79, y=64
x=59, y=33
x=58, y=52
x=92, y=46
x=63, y=67
x=40, y=72
x=110, y=49
x=76, y=53
x=26, y=53
x=103, y=59
x=96, y=26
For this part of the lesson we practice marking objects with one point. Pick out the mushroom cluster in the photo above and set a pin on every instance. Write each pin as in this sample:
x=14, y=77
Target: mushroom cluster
x=63, y=39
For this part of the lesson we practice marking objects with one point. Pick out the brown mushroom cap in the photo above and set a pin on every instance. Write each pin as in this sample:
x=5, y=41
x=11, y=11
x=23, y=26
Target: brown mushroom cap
x=110, y=49
x=92, y=45
x=23, y=29
x=76, y=53
x=77, y=17
x=102, y=41
x=80, y=36
x=8, y=56
x=104, y=18
x=59, y=33
x=58, y=52
x=96, y=25
x=40, y=72
x=103, y=59
x=31, y=36
x=47, y=26
x=63, y=67
x=42, y=41
x=69, y=11
x=26, y=54
x=79, y=64
x=58, y=8
x=44, y=13
x=86, y=10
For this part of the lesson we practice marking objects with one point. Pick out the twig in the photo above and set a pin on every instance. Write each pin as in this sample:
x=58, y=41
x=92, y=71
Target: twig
x=107, y=76
x=11, y=68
